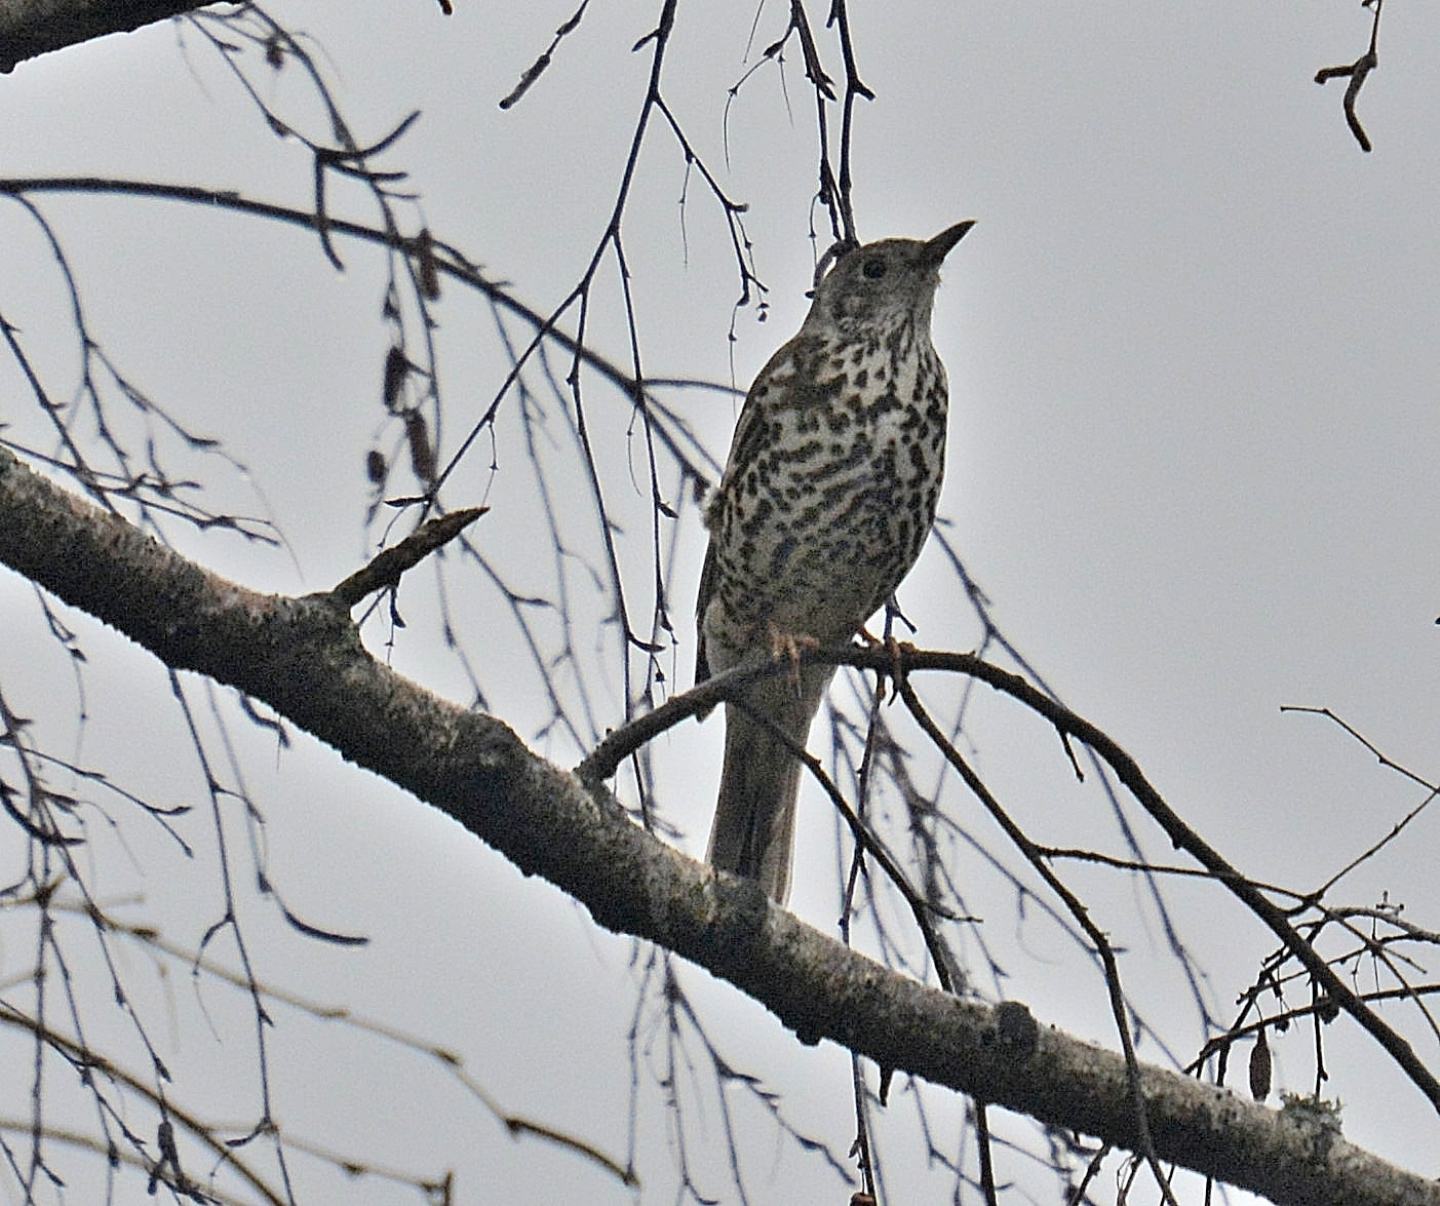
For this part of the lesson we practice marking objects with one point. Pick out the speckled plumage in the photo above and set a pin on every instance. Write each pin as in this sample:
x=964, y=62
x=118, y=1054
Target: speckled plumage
x=827, y=497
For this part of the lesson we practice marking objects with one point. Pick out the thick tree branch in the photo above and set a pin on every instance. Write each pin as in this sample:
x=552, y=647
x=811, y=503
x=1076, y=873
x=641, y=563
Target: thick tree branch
x=618, y=745
x=303, y=657
x=34, y=27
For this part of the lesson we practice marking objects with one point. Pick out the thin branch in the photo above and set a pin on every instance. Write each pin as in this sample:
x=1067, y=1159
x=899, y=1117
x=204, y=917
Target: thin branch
x=385, y=569
x=1072, y=902
x=1357, y=72
x=83, y=1056
x=447, y=259
x=537, y=68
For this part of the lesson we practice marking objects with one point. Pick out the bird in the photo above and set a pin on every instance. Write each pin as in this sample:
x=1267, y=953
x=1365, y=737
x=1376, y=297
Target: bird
x=828, y=493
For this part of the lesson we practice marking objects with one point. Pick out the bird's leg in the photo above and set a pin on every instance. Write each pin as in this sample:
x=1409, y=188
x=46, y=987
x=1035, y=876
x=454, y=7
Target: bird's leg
x=897, y=651
x=790, y=645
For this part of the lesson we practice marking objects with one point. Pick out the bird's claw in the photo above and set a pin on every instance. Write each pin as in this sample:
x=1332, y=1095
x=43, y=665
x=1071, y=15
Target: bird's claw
x=790, y=645
x=897, y=651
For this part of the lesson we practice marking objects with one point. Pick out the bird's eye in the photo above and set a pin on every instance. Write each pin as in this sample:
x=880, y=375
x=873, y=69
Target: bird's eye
x=873, y=268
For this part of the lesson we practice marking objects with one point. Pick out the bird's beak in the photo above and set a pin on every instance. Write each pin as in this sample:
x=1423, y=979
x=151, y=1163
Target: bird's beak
x=939, y=247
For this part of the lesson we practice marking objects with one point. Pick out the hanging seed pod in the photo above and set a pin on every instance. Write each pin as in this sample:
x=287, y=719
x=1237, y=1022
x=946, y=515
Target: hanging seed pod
x=1261, y=1065
x=422, y=455
x=426, y=267
x=396, y=370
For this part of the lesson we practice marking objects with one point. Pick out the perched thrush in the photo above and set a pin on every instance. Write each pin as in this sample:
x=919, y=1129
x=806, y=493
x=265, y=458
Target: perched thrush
x=827, y=496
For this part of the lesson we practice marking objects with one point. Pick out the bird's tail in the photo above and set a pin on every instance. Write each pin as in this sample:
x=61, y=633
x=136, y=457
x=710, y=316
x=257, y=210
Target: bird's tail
x=754, y=830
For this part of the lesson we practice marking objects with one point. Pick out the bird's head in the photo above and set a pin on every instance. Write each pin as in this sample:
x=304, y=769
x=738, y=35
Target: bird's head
x=884, y=283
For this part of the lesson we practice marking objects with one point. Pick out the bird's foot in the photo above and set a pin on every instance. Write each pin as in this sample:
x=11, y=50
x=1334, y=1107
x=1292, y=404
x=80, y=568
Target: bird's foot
x=897, y=651
x=790, y=645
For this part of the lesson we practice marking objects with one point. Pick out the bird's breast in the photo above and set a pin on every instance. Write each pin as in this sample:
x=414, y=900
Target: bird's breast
x=817, y=529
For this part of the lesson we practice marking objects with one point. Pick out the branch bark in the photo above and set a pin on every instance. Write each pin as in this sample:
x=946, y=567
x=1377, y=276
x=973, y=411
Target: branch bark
x=34, y=27
x=303, y=657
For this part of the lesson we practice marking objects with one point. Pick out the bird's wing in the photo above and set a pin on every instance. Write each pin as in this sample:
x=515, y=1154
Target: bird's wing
x=772, y=388
x=749, y=429
x=702, y=601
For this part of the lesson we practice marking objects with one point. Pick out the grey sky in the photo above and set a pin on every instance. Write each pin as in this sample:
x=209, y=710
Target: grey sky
x=1191, y=345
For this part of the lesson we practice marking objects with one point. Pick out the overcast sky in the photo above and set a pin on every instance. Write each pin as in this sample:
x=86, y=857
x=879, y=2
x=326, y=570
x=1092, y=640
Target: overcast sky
x=1192, y=352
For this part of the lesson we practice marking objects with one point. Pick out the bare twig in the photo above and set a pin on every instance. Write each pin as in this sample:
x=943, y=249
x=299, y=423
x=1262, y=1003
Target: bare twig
x=1356, y=73
x=387, y=566
x=537, y=68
